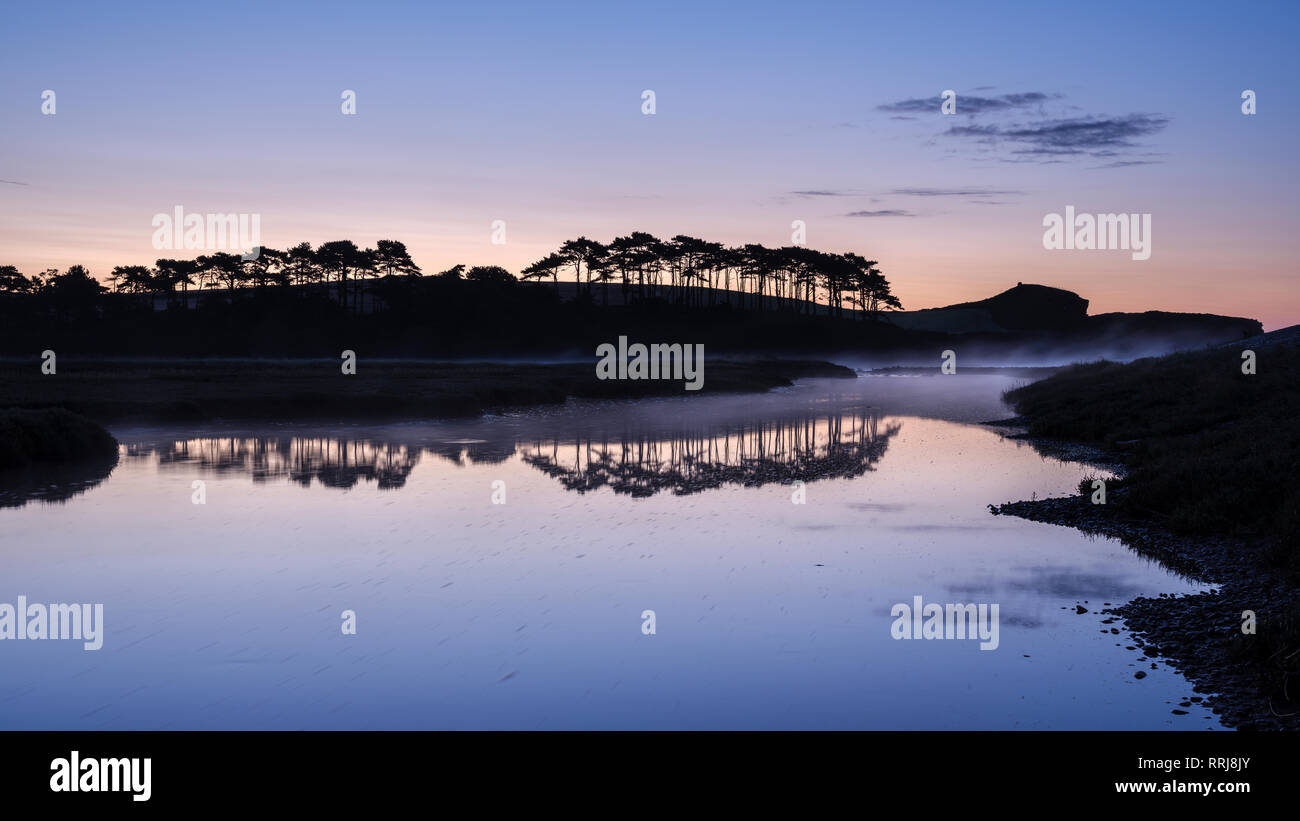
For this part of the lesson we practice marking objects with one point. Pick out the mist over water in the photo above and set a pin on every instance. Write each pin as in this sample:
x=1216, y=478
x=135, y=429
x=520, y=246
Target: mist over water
x=528, y=614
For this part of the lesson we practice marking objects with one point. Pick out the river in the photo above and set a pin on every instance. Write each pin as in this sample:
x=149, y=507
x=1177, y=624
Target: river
x=498, y=572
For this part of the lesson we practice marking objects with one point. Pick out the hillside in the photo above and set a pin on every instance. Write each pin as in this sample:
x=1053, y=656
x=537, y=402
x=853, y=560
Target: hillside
x=1056, y=318
x=440, y=317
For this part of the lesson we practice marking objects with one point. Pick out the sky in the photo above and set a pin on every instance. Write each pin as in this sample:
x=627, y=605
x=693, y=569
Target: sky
x=764, y=114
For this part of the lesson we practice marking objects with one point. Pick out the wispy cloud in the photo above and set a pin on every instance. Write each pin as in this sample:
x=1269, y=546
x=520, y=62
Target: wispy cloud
x=820, y=193
x=969, y=103
x=1093, y=136
x=951, y=192
x=892, y=212
x=1127, y=163
x=11, y=182
x=1055, y=132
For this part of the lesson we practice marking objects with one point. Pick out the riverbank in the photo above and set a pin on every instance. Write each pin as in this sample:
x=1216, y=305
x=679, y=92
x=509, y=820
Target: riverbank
x=316, y=389
x=50, y=436
x=1243, y=678
x=51, y=455
x=1205, y=458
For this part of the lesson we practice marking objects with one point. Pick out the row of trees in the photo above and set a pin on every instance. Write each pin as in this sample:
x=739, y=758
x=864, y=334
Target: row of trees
x=697, y=272
x=685, y=270
x=340, y=262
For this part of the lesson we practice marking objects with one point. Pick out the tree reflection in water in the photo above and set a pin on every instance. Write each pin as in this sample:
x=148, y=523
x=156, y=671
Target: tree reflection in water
x=334, y=461
x=805, y=448
x=798, y=447
x=52, y=482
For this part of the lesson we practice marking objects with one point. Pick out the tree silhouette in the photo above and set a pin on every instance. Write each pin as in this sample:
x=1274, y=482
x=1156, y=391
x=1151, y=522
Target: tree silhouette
x=301, y=265
x=13, y=282
x=223, y=268
x=580, y=252
x=547, y=267
x=171, y=273
x=74, y=293
x=391, y=257
x=264, y=269
x=751, y=277
x=339, y=258
x=490, y=274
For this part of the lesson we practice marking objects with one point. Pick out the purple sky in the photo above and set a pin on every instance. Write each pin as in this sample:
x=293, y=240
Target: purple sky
x=532, y=114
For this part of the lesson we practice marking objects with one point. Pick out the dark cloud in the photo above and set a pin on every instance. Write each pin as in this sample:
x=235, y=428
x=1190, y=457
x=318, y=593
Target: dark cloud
x=819, y=193
x=11, y=182
x=1050, y=138
x=893, y=212
x=1021, y=100
x=968, y=103
x=974, y=131
x=1093, y=136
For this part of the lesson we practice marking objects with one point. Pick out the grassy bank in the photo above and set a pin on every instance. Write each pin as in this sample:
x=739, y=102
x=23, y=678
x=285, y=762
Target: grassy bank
x=1211, y=451
x=30, y=437
x=1211, y=490
x=290, y=390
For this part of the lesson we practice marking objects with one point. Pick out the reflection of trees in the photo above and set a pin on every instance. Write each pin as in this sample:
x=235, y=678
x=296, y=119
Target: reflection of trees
x=802, y=447
x=756, y=453
x=475, y=451
x=46, y=482
x=333, y=461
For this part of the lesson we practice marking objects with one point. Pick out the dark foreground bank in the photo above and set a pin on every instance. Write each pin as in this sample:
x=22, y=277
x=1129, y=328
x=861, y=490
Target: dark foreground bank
x=51, y=455
x=317, y=389
x=50, y=436
x=1209, y=484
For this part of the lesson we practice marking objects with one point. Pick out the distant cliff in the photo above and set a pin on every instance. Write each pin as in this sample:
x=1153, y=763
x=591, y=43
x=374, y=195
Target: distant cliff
x=1037, y=311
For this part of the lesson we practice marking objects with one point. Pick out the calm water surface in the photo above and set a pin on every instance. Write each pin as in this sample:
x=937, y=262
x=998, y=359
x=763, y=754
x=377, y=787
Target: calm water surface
x=527, y=614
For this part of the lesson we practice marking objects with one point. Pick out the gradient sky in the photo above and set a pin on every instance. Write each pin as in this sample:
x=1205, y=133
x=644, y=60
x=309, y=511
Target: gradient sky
x=766, y=113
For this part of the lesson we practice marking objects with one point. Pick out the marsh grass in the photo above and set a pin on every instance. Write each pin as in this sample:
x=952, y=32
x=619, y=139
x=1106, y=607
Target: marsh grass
x=315, y=389
x=1210, y=450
